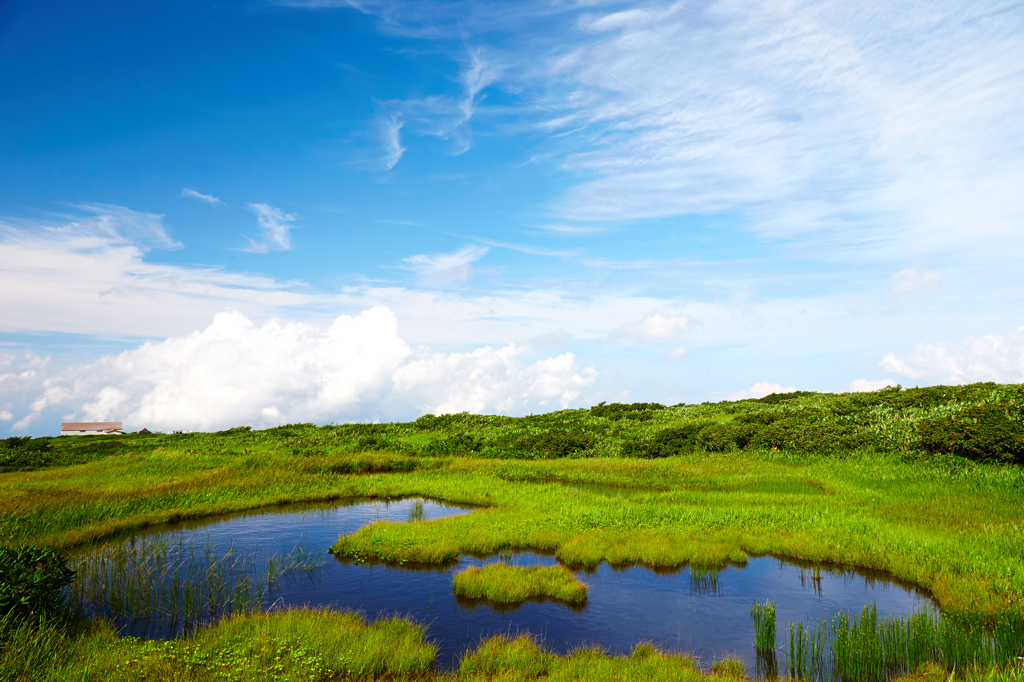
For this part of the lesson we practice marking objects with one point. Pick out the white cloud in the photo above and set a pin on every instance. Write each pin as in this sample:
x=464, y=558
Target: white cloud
x=444, y=268
x=208, y=198
x=760, y=390
x=916, y=280
x=803, y=116
x=359, y=368
x=679, y=352
x=993, y=357
x=491, y=380
x=275, y=224
x=89, y=276
x=443, y=116
x=868, y=385
x=655, y=326
x=391, y=129
x=6, y=416
x=555, y=338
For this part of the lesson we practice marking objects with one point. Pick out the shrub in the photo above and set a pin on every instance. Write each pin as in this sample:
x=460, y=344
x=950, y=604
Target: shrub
x=25, y=453
x=717, y=438
x=455, y=444
x=632, y=411
x=675, y=440
x=775, y=398
x=238, y=429
x=808, y=432
x=32, y=579
x=983, y=432
x=551, y=444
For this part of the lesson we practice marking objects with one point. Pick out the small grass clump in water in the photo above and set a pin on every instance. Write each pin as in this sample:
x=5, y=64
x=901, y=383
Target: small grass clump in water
x=504, y=584
x=763, y=616
x=729, y=667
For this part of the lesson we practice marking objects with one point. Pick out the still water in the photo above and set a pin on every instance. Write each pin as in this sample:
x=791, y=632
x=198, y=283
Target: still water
x=704, y=614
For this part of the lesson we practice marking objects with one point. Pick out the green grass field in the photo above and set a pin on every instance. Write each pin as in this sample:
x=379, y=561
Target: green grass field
x=925, y=484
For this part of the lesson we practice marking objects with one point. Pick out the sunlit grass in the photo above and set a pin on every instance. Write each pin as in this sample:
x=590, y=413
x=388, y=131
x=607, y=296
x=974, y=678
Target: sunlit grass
x=504, y=584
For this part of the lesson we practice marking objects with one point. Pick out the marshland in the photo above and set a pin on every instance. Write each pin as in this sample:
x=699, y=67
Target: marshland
x=126, y=557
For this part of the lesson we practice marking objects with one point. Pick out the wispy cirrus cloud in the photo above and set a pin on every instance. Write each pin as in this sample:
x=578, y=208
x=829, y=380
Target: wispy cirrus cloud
x=654, y=327
x=805, y=118
x=276, y=224
x=915, y=280
x=105, y=285
x=391, y=139
x=446, y=116
x=198, y=196
x=445, y=268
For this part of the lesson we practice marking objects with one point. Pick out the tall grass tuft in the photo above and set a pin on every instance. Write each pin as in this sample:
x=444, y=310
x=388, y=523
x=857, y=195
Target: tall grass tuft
x=866, y=648
x=176, y=586
x=763, y=616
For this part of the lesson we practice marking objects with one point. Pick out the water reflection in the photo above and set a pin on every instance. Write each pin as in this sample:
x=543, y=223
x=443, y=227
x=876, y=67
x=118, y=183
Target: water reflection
x=701, y=612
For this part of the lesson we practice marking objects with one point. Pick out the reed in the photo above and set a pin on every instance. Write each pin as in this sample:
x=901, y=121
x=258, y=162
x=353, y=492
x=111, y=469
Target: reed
x=847, y=647
x=180, y=584
x=763, y=616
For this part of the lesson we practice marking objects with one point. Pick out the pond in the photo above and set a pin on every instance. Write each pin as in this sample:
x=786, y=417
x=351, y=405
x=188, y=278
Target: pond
x=701, y=613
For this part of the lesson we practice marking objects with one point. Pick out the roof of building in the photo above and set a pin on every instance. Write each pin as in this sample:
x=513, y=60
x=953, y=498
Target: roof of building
x=90, y=426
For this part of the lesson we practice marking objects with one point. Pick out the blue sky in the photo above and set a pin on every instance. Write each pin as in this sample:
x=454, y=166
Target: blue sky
x=259, y=212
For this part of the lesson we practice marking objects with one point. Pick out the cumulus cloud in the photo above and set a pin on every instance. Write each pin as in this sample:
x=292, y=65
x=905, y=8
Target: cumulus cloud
x=237, y=372
x=916, y=280
x=445, y=268
x=275, y=224
x=208, y=198
x=868, y=385
x=6, y=416
x=760, y=390
x=488, y=379
x=993, y=357
x=656, y=326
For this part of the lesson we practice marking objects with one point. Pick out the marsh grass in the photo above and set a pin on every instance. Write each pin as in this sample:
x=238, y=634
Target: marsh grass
x=729, y=667
x=523, y=658
x=866, y=648
x=174, y=585
x=763, y=615
x=506, y=585
x=297, y=644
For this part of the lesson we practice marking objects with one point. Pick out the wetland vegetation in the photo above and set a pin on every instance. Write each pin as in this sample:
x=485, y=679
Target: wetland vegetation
x=503, y=584
x=923, y=484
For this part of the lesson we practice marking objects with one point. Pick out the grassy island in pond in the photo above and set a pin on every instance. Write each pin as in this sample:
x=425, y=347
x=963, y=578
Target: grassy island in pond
x=504, y=584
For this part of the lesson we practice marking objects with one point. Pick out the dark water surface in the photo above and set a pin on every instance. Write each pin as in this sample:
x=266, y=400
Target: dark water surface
x=700, y=613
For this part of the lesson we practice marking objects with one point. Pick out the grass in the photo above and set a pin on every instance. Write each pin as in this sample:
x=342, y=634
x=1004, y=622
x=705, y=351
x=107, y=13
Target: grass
x=299, y=644
x=503, y=584
x=861, y=480
x=867, y=648
x=522, y=658
x=763, y=616
x=174, y=586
